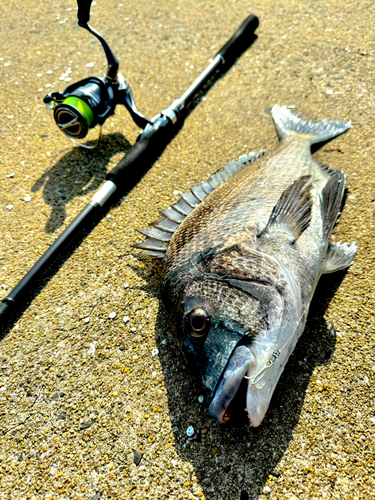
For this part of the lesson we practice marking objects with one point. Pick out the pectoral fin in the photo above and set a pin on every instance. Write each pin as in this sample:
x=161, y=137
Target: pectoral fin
x=339, y=256
x=292, y=213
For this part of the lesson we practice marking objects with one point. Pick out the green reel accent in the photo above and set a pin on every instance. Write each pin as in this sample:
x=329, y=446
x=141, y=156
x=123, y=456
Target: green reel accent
x=82, y=107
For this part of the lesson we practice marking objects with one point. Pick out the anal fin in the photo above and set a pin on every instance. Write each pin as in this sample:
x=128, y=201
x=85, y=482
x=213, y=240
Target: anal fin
x=339, y=256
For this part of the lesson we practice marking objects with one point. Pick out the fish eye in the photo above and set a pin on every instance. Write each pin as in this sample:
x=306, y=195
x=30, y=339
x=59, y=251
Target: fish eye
x=198, y=322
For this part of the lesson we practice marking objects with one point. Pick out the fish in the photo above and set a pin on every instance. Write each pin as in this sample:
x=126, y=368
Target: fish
x=243, y=253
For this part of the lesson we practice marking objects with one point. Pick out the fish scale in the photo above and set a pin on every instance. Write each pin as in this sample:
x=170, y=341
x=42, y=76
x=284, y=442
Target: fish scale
x=243, y=253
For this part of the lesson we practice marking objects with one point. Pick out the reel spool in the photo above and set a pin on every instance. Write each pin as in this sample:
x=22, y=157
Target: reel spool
x=81, y=107
x=89, y=102
x=74, y=117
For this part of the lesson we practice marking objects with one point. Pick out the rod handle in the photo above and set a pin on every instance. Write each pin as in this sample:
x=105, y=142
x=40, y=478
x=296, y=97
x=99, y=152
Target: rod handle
x=142, y=155
x=240, y=41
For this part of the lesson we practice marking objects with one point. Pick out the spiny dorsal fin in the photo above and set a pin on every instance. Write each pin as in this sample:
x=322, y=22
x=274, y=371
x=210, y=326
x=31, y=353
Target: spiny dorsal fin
x=333, y=193
x=293, y=210
x=158, y=238
x=339, y=256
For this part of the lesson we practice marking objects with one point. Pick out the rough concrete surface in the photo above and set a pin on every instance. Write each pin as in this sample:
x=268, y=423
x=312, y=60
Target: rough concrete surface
x=88, y=408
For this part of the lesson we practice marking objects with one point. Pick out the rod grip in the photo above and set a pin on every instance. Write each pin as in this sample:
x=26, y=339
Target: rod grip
x=141, y=156
x=240, y=41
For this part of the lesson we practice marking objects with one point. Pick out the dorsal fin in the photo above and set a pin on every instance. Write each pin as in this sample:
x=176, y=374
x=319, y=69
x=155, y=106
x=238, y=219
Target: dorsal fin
x=293, y=210
x=158, y=237
x=332, y=196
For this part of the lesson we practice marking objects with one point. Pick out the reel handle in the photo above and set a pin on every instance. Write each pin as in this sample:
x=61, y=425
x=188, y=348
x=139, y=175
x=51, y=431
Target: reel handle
x=84, y=11
x=240, y=41
x=83, y=19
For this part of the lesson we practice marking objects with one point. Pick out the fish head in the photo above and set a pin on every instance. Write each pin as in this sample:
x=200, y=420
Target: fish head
x=236, y=333
x=211, y=327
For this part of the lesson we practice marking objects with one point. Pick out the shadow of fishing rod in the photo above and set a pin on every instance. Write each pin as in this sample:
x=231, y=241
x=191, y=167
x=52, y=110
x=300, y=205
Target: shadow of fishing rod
x=155, y=137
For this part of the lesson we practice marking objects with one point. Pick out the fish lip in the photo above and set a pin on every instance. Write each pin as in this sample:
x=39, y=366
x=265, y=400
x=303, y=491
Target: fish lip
x=222, y=417
x=243, y=365
x=239, y=365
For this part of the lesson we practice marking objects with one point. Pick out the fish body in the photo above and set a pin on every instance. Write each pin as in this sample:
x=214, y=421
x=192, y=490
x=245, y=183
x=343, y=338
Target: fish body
x=243, y=253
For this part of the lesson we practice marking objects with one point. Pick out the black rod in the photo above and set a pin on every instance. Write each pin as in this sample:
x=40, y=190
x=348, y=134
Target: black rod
x=137, y=161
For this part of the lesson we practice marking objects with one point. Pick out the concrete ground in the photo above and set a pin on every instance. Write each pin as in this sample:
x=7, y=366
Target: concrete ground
x=88, y=408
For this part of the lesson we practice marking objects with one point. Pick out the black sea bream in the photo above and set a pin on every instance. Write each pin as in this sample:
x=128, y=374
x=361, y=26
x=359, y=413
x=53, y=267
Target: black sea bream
x=243, y=253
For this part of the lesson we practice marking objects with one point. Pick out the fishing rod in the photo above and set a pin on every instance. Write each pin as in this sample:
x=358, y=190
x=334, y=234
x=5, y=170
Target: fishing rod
x=89, y=103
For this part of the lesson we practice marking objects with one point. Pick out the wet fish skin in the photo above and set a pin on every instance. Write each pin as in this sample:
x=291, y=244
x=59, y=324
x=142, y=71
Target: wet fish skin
x=241, y=268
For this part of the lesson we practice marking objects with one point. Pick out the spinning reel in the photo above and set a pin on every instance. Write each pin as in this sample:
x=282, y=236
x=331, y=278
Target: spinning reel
x=89, y=102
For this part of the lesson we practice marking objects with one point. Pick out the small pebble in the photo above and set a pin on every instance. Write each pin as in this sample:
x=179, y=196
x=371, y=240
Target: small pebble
x=9, y=176
x=126, y=285
x=154, y=353
x=153, y=374
x=126, y=319
x=201, y=399
x=9, y=207
x=91, y=350
x=27, y=198
x=329, y=91
x=90, y=65
x=112, y=315
x=190, y=431
x=86, y=320
x=10, y=117
x=133, y=329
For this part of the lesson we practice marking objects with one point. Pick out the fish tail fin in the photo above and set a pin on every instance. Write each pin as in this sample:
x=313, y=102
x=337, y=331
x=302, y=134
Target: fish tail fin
x=288, y=123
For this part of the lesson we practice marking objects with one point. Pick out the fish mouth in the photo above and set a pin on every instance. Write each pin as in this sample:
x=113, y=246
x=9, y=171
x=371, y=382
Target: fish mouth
x=240, y=373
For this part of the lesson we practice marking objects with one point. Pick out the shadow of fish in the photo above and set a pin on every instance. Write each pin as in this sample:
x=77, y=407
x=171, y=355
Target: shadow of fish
x=243, y=253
